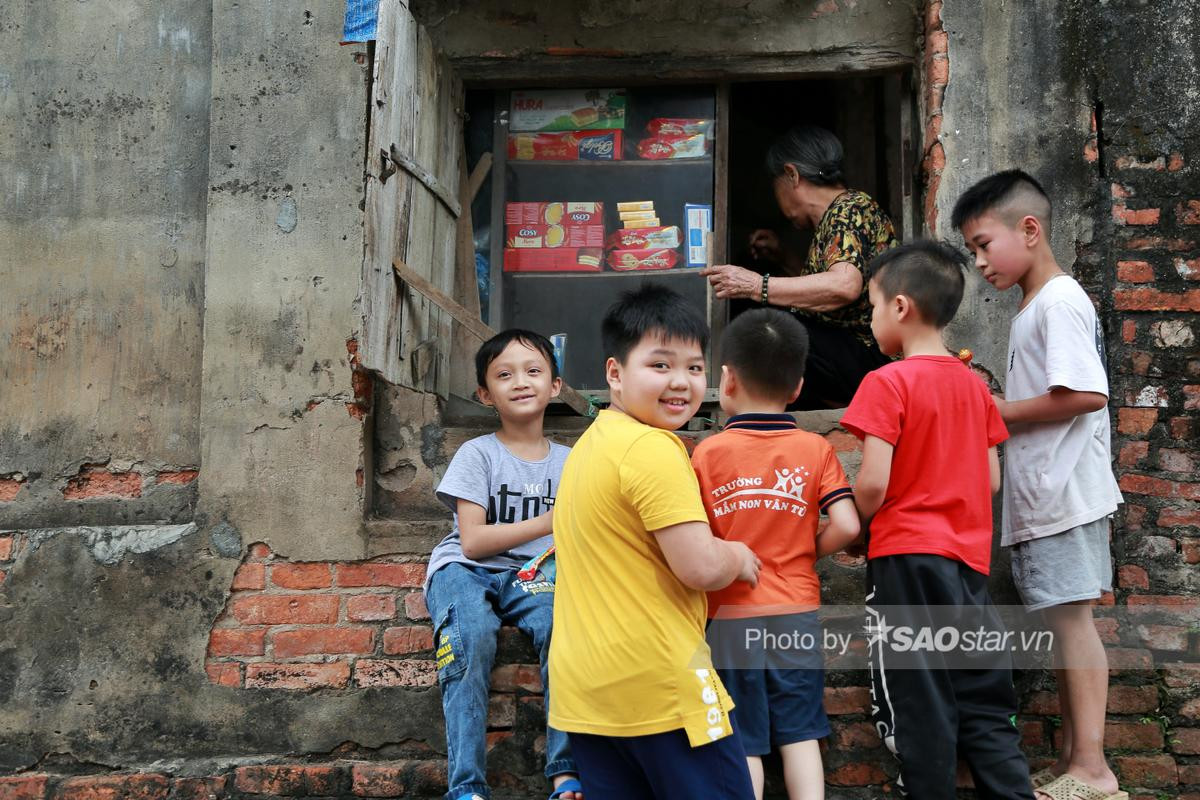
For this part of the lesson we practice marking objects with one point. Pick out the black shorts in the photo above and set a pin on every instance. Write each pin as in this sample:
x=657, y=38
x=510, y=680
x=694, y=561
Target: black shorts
x=837, y=363
x=774, y=671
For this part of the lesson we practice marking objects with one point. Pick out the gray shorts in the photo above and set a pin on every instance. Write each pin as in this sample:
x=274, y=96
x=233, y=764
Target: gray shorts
x=1064, y=567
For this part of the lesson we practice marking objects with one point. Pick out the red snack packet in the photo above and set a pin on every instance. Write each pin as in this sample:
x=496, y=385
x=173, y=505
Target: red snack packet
x=673, y=126
x=642, y=238
x=681, y=146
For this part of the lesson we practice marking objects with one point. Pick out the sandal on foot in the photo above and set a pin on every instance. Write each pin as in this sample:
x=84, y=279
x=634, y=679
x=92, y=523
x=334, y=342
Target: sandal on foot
x=569, y=785
x=1042, y=777
x=1068, y=787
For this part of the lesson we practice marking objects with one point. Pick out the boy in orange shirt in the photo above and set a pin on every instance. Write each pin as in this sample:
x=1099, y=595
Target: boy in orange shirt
x=764, y=482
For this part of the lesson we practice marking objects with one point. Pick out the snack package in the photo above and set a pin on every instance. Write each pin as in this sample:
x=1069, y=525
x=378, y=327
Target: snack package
x=602, y=145
x=537, y=110
x=652, y=222
x=553, y=259
x=697, y=220
x=636, y=205
x=643, y=238
x=566, y=214
x=554, y=235
x=626, y=216
x=625, y=260
x=664, y=126
x=674, y=146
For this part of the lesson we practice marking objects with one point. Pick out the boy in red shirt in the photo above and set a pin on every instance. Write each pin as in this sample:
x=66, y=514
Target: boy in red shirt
x=765, y=483
x=929, y=469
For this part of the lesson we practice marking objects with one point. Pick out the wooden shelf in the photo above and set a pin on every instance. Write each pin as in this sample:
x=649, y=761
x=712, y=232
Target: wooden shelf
x=608, y=273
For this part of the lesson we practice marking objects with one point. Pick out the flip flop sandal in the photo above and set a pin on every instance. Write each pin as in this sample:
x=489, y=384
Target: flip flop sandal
x=570, y=785
x=1068, y=787
x=1042, y=777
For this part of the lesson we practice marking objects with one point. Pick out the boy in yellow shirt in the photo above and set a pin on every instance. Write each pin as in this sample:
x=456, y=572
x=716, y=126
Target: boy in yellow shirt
x=634, y=684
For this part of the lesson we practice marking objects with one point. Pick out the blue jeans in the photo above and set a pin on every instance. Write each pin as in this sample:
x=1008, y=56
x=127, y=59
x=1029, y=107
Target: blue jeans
x=468, y=605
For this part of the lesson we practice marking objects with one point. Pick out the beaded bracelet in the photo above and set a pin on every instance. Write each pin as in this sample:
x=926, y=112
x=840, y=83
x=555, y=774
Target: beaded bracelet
x=766, y=277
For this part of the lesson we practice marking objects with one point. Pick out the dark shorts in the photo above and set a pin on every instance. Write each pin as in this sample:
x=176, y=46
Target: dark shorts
x=774, y=671
x=837, y=362
x=661, y=765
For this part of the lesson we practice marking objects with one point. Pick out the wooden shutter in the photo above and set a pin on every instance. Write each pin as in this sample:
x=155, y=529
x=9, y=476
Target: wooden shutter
x=412, y=203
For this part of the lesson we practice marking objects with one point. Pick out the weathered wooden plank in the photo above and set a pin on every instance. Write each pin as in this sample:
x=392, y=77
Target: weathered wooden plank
x=388, y=193
x=428, y=179
x=481, y=330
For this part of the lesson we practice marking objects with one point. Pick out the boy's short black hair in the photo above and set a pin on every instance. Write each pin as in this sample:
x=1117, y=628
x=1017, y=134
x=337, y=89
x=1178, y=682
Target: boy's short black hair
x=929, y=273
x=767, y=348
x=490, y=350
x=650, y=309
x=1011, y=195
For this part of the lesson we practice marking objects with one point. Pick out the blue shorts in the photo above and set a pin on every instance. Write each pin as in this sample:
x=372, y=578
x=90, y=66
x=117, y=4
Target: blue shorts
x=773, y=669
x=661, y=765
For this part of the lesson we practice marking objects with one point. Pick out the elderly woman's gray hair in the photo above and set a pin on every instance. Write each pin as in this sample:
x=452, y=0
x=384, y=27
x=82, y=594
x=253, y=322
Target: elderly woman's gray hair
x=813, y=151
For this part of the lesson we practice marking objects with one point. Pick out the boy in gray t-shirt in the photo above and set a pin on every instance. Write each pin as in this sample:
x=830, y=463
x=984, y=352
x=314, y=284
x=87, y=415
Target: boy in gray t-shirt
x=1058, y=484
x=496, y=566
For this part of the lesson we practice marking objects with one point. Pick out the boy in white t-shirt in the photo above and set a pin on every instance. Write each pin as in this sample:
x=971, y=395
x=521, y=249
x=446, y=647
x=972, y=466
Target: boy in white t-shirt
x=1059, y=488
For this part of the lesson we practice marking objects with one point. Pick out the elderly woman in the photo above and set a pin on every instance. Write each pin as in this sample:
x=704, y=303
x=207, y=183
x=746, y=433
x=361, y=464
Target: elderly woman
x=829, y=295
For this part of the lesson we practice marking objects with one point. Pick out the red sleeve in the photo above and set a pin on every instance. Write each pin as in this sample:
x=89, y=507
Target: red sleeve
x=996, y=431
x=876, y=410
x=834, y=485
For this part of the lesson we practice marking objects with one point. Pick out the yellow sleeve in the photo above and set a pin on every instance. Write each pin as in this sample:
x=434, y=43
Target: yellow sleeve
x=657, y=478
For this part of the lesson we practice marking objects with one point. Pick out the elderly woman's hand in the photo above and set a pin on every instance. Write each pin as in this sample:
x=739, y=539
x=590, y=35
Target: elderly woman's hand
x=732, y=282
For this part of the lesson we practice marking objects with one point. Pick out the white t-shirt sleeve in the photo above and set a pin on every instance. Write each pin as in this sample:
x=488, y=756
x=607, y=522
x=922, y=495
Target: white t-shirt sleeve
x=1072, y=355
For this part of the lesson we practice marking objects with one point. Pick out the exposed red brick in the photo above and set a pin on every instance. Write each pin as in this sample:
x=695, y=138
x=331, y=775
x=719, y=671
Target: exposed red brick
x=1122, y=659
x=510, y=677
x=1156, y=243
x=302, y=576
x=495, y=738
x=402, y=575
x=249, y=577
x=1189, y=212
x=1170, y=601
x=1158, y=164
x=1120, y=192
x=1159, y=487
x=297, y=676
x=211, y=787
x=938, y=70
x=858, y=774
x=177, y=476
x=414, y=606
x=259, y=551
x=1188, y=268
x=1042, y=703
x=394, y=672
x=9, y=488
x=236, y=642
x=1128, y=331
x=1183, y=428
x=1191, y=709
x=1132, y=452
x=1136, y=420
x=1181, y=675
x=1107, y=628
x=1133, y=736
x=1190, y=549
x=1135, y=272
x=398, y=779
x=224, y=674
x=856, y=734
x=320, y=641
x=1189, y=774
x=1132, y=699
x=286, y=609
x=847, y=700
x=371, y=608
x=1191, y=398
x=95, y=482
x=1154, y=300
x=502, y=711
x=1131, y=216
x=407, y=639
x=1183, y=740
x=1131, y=576
x=135, y=786
x=843, y=442
x=23, y=787
x=7, y=545
x=1164, y=637
x=1148, y=771
x=294, y=780
x=1173, y=460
